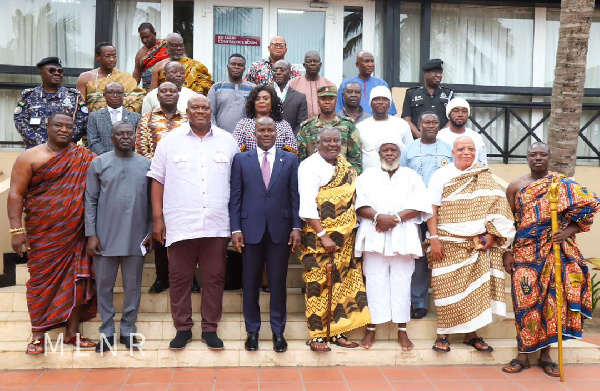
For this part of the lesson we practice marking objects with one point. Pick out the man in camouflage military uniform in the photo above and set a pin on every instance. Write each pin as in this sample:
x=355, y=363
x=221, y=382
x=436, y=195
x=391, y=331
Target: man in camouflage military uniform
x=39, y=103
x=428, y=97
x=309, y=130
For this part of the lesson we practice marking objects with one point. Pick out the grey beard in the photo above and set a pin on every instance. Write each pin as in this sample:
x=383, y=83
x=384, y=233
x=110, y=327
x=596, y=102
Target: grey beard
x=390, y=167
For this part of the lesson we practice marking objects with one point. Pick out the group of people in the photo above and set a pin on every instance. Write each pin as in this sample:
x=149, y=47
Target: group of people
x=377, y=207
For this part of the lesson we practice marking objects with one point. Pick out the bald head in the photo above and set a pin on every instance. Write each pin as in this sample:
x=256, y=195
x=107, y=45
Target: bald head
x=198, y=113
x=175, y=47
x=168, y=95
x=277, y=48
x=175, y=73
x=463, y=152
x=365, y=62
x=265, y=133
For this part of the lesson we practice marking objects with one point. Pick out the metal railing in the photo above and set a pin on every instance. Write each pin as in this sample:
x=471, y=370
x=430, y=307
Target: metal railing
x=507, y=111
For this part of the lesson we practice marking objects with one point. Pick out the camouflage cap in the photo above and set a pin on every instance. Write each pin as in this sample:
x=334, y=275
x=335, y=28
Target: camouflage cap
x=327, y=91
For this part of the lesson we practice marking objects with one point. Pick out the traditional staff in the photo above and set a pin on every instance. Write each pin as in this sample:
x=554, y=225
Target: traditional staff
x=329, y=294
x=553, y=198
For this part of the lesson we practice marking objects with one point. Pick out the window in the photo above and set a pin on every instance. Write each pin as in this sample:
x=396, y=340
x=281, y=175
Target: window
x=127, y=17
x=303, y=31
x=483, y=45
x=353, y=29
x=410, y=42
x=237, y=30
x=36, y=29
x=592, y=79
x=183, y=23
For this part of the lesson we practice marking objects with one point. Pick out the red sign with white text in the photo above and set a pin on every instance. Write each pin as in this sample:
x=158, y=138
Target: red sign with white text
x=236, y=40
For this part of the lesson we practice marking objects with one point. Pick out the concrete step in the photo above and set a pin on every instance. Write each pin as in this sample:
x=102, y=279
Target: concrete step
x=294, y=277
x=14, y=299
x=16, y=326
x=156, y=354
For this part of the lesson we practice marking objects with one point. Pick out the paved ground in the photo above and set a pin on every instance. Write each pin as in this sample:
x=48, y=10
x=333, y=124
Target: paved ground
x=453, y=378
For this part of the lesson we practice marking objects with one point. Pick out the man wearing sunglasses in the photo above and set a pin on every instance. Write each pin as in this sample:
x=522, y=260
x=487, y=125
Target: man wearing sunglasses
x=39, y=103
x=261, y=71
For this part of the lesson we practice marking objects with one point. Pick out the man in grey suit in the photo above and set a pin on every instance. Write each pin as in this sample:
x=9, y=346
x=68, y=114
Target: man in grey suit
x=100, y=123
x=293, y=103
x=118, y=219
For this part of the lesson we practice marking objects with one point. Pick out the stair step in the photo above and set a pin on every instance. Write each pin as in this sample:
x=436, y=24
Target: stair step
x=16, y=326
x=14, y=299
x=294, y=277
x=156, y=354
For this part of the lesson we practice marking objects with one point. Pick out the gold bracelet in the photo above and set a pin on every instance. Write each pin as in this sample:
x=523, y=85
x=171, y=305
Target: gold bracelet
x=17, y=231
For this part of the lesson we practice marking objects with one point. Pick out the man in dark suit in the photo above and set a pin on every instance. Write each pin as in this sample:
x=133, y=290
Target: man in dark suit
x=263, y=211
x=293, y=103
x=100, y=123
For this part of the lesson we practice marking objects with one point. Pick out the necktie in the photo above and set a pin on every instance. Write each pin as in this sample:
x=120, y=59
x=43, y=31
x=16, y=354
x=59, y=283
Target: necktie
x=113, y=115
x=266, y=170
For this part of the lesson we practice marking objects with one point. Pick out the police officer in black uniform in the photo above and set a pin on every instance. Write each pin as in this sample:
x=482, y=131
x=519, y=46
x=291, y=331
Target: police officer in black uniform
x=39, y=103
x=429, y=97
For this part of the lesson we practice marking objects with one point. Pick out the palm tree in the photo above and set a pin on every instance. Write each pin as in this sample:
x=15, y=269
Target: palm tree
x=569, y=81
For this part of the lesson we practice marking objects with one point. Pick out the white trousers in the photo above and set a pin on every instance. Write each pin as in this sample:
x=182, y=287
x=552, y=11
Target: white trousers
x=388, y=286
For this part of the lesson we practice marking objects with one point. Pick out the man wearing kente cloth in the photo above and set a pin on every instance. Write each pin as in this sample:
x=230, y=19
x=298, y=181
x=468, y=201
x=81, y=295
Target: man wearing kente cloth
x=92, y=83
x=471, y=227
x=197, y=76
x=326, y=182
x=47, y=184
x=153, y=51
x=531, y=262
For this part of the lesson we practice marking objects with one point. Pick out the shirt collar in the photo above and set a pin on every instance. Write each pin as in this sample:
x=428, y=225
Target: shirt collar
x=271, y=150
x=190, y=132
x=119, y=109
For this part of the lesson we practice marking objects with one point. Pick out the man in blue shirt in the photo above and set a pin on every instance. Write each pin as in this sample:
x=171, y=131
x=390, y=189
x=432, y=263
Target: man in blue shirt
x=365, y=62
x=425, y=156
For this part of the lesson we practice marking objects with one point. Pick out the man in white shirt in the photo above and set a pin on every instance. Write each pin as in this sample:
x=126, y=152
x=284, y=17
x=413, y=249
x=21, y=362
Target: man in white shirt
x=458, y=111
x=175, y=73
x=191, y=169
x=391, y=202
x=380, y=124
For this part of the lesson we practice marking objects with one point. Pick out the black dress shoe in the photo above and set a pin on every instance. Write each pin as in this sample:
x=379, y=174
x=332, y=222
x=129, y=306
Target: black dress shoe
x=158, y=286
x=196, y=287
x=128, y=341
x=102, y=345
x=418, y=313
x=251, y=343
x=211, y=340
x=181, y=339
x=279, y=343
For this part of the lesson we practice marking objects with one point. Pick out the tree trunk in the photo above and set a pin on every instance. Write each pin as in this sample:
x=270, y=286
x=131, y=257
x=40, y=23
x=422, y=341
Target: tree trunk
x=569, y=81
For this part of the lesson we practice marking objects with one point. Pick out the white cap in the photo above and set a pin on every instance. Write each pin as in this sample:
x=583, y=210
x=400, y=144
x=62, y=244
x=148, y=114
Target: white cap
x=380, y=91
x=457, y=102
x=390, y=137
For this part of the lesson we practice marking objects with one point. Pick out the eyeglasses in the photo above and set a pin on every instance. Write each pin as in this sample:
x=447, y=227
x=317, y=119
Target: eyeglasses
x=52, y=71
x=278, y=45
x=176, y=45
x=436, y=71
x=114, y=93
x=312, y=62
x=109, y=56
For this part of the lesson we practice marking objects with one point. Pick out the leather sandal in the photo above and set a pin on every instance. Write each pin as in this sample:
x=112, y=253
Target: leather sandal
x=318, y=349
x=84, y=342
x=445, y=343
x=335, y=339
x=478, y=340
x=35, y=347
x=516, y=366
x=550, y=368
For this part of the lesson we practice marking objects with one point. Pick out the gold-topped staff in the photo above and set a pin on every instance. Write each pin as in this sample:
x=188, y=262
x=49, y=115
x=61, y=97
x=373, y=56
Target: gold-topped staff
x=553, y=199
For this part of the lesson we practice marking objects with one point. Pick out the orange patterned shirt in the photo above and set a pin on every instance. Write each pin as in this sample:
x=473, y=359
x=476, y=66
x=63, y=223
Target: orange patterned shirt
x=152, y=127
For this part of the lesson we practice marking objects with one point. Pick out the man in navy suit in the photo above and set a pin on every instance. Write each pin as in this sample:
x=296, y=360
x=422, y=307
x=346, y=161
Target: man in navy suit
x=293, y=103
x=263, y=210
x=100, y=123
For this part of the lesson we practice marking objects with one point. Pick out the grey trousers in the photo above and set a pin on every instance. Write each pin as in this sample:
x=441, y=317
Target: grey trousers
x=420, y=279
x=106, y=269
